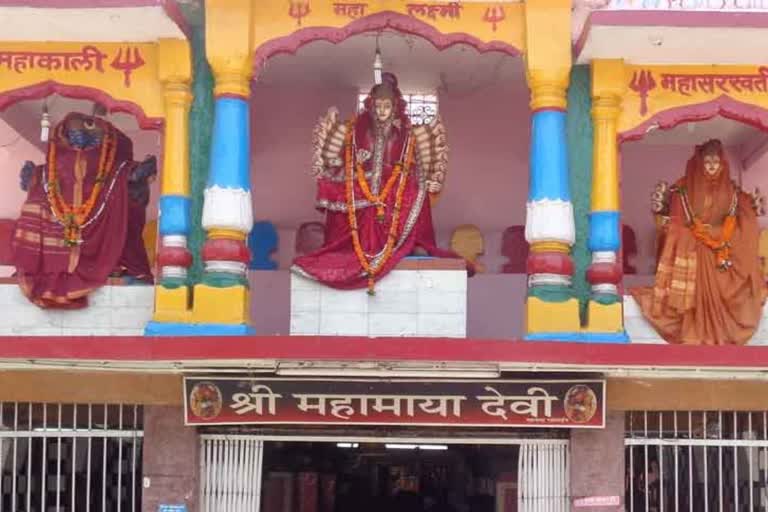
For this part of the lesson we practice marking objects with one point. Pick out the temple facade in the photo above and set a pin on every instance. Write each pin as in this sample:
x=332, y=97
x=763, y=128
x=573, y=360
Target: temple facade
x=308, y=256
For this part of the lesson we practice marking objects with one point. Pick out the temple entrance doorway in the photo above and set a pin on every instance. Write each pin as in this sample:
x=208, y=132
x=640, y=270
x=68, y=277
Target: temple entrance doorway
x=349, y=474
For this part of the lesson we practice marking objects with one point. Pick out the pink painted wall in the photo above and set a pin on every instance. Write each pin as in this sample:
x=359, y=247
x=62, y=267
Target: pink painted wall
x=14, y=151
x=488, y=136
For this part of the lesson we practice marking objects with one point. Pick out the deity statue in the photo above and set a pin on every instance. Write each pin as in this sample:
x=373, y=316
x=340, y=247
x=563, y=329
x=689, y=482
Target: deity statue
x=376, y=175
x=709, y=288
x=84, y=214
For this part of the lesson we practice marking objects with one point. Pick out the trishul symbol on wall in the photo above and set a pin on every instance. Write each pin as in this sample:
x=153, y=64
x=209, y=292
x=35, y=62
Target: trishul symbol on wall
x=643, y=83
x=494, y=15
x=127, y=62
x=299, y=10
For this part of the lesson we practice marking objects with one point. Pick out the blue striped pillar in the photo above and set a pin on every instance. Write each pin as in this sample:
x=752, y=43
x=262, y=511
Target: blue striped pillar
x=174, y=225
x=227, y=208
x=549, y=226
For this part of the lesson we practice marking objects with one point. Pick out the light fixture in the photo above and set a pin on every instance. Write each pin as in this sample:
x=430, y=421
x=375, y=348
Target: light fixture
x=378, y=65
x=45, y=122
x=437, y=370
x=347, y=445
x=399, y=446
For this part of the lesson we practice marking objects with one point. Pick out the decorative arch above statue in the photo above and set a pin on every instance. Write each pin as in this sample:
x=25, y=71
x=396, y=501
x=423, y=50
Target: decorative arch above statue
x=486, y=26
x=122, y=77
x=661, y=97
x=84, y=214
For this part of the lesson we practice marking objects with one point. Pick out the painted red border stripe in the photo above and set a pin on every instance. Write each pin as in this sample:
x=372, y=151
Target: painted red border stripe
x=376, y=349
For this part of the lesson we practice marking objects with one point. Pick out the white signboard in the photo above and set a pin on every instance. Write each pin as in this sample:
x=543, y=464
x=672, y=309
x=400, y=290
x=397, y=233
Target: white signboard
x=597, y=501
x=689, y=5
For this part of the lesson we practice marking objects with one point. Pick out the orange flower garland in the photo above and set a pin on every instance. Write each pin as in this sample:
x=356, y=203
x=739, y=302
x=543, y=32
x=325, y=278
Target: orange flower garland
x=700, y=231
x=722, y=247
x=70, y=216
x=398, y=170
x=381, y=199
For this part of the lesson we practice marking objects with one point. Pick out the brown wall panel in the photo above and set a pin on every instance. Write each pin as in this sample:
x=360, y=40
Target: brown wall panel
x=90, y=387
x=686, y=395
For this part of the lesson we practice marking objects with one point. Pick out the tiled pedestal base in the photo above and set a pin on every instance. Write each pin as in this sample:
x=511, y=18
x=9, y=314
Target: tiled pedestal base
x=420, y=298
x=112, y=311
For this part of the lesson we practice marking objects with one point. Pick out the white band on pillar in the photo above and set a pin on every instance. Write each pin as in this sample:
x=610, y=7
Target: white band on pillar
x=231, y=267
x=227, y=208
x=174, y=241
x=603, y=257
x=550, y=220
x=170, y=271
x=549, y=279
x=605, y=288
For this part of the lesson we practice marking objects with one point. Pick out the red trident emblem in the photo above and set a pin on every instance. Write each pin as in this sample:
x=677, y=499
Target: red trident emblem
x=298, y=10
x=643, y=83
x=127, y=62
x=494, y=15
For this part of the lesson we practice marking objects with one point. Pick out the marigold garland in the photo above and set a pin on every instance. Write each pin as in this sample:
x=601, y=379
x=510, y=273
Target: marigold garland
x=721, y=246
x=399, y=171
x=378, y=200
x=70, y=216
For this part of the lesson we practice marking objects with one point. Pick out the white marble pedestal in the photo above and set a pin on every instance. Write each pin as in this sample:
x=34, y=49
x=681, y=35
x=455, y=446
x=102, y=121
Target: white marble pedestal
x=421, y=297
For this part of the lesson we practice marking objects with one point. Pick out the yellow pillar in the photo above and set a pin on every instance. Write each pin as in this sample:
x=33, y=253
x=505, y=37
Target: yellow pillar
x=551, y=310
x=605, y=312
x=608, y=87
x=221, y=298
x=172, y=292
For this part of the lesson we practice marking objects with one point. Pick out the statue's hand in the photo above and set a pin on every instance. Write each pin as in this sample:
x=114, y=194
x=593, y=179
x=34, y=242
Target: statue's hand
x=333, y=115
x=323, y=137
x=434, y=187
x=145, y=171
x=758, y=201
x=26, y=175
x=660, y=198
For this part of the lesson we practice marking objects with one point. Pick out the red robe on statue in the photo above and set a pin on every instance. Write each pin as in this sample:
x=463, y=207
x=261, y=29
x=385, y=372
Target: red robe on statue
x=53, y=273
x=378, y=148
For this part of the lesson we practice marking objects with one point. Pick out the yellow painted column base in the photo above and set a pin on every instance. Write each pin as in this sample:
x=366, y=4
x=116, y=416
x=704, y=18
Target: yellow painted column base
x=172, y=304
x=545, y=317
x=605, y=317
x=221, y=305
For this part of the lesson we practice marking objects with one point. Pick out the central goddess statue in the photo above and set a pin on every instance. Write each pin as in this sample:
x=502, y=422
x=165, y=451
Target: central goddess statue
x=376, y=175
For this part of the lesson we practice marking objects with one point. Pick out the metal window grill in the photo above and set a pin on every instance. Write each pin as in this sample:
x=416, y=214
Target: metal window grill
x=230, y=473
x=421, y=108
x=702, y=461
x=67, y=458
x=543, y=479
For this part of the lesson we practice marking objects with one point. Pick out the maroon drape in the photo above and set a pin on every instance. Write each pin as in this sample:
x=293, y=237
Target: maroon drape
x=50, y=273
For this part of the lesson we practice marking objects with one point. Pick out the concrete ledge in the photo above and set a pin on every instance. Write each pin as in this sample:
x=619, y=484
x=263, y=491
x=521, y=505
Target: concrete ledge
x=419, y=301
x=641, y=332
x=112, y=311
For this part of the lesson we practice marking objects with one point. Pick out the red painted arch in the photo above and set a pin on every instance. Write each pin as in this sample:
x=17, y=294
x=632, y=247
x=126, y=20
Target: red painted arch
x=372, y=23
x=79, y=92
x=724, y=106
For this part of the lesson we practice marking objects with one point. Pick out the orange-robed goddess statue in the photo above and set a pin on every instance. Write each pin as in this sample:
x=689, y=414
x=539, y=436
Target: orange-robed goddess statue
x=709, y=288
x=376, y=175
